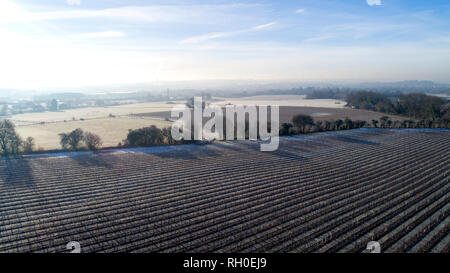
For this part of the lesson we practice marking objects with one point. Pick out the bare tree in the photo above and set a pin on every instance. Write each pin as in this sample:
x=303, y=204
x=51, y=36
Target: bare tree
x=9, y=139
x=28, y=145
x=374, y=123
x=71, y=140
x=319, y=125
x=64, y=140
x=384, y=121
x=93, y=141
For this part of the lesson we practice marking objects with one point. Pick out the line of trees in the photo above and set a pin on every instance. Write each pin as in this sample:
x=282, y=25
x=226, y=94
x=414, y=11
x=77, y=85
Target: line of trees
x=302, y=124
x=72, y=141
x=10, y=141
x=327, y=94
x=150, y=136
x=12, y=144
x=413, y=105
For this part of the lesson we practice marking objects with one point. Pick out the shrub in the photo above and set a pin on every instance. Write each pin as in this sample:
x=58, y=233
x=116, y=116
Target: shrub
x=301, y=121
x=148, y=136
x=285, y=129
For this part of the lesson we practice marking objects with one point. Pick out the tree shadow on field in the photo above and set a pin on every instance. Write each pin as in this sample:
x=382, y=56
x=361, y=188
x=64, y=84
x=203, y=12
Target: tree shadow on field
x=230, y=145
x=317, y=145
x=288, y=154
x=348, y=139
x=16, y=172
x=190, y=152
x=287, y=151
x=246, y=146
x=298, y=148
x=105, y=160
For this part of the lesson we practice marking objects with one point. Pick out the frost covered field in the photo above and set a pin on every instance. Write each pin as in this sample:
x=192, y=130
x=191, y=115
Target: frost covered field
x=283, y=100
x=327, y=192
x=111, y=130
x=90, y=113
x=46, y=126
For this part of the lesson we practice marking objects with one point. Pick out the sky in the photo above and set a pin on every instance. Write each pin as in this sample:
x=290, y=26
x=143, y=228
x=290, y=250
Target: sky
x=62, y=43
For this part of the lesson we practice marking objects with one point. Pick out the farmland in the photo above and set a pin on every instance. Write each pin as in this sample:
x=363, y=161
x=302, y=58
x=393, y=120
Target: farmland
x=111, y=130
x=327, y=192
x=317, y=113
x=89, y=113
x=291, y=105
x=282, y=100
x=112, y=123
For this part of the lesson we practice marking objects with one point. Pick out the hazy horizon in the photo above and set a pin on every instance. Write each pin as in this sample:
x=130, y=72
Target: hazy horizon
x=77, y=43
x=255, y=85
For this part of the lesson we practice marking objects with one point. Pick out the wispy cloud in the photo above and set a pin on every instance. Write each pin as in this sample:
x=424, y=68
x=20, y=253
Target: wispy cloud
x=151, y=13
x=215, y=35
x=50, y=42
x=73, y=2
x=374, y=2
x=261, y=27
x=103, y=34
x=352, y=31
x=320, y=38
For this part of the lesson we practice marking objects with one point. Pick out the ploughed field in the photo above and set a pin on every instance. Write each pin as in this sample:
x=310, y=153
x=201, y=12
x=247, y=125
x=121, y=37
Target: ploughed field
x=325, y=192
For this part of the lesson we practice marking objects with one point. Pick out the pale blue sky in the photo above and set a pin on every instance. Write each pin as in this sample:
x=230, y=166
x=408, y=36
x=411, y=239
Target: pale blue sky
x=93, y=42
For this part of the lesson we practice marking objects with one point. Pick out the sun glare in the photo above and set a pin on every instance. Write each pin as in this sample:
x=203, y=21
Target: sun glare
x=10, y=12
